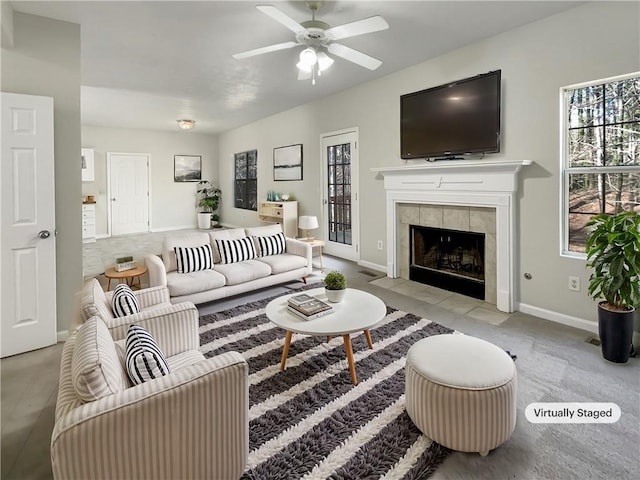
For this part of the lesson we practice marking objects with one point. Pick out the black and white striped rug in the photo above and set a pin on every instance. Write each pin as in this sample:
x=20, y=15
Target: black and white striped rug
x=310, y=421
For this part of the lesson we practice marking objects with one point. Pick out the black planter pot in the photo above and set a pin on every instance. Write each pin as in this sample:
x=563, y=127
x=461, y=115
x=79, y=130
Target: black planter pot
x=616, y=334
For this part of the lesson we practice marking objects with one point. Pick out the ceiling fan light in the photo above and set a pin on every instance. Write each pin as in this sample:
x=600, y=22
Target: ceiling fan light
x=304, y=67
x=324, y=61
x=308, y=57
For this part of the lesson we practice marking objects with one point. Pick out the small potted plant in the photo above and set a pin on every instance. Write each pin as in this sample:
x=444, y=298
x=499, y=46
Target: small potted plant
x=208, y=201
x=335, y=286
x=613, y=251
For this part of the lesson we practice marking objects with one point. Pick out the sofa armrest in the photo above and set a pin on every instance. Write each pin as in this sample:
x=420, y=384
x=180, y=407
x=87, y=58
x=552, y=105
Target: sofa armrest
x=174, y=327
x=302, y=249
x=148, y=297
x=156, y=270
x=192, y=423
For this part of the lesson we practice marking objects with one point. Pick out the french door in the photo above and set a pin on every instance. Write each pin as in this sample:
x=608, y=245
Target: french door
x=128, y=187
x=340, y=193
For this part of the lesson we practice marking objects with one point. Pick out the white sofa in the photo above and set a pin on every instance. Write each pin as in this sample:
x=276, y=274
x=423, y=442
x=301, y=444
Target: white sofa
x=226, y=280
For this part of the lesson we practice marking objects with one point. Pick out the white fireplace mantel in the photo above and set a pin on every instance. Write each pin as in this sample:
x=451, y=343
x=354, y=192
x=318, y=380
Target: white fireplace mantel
x=472, y=183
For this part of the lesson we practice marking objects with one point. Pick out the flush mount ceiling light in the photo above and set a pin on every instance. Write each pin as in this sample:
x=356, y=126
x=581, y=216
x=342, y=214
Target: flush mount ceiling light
x=186, y=124
x=317, y=36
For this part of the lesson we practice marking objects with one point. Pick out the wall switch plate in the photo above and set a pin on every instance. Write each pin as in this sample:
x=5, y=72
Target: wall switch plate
x=574, y=284
x=379, y=244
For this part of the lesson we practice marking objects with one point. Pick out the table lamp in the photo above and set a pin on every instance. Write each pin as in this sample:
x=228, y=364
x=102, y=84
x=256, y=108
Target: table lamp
x=308, y=222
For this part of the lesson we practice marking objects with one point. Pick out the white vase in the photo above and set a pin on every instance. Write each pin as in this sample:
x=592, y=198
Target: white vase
x=335, y=296
x=204, y=221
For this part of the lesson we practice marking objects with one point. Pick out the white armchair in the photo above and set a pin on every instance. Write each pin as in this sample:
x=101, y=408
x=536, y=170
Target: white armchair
x=191, y=423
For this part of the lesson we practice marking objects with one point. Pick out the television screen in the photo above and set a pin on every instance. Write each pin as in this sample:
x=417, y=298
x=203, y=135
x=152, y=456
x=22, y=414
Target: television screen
x=453, y=119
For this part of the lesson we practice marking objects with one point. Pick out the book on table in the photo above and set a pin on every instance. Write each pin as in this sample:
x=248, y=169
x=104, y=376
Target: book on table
x=308, y=306
x=298, y=313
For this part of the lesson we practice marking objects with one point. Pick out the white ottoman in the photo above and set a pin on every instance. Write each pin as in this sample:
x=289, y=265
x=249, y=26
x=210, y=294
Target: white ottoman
x=461, y=392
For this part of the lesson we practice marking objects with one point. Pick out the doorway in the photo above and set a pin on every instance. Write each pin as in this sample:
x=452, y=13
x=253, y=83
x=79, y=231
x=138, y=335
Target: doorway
x=128, y=193
x=340, y=193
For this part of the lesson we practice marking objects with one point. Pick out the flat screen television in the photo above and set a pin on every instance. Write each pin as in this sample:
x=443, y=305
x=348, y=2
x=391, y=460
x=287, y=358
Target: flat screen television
x=451, y=120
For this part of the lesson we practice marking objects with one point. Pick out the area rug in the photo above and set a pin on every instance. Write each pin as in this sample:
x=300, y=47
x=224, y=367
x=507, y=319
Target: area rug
x=310, y=421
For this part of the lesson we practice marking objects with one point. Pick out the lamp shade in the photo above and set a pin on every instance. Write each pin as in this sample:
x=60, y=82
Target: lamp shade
x=308, y=222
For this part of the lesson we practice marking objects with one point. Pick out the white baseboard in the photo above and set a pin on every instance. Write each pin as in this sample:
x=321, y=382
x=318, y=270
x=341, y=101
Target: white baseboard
x=169, y=229
x=62, y=335
x=557, y=317
x=373, y=266
x=102, y=235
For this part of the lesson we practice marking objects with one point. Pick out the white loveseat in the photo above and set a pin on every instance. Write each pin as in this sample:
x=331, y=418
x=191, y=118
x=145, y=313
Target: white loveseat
x=225, y=280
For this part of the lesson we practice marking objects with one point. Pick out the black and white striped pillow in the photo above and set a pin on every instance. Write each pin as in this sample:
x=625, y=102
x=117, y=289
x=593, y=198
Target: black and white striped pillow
x=145, y=361
x=239, y=250
x=272, y=244
x=124, y=301
x=194, y=259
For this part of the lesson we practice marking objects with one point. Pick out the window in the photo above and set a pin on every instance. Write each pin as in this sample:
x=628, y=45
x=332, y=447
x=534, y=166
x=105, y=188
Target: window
x=601, y=154
x=246, y=180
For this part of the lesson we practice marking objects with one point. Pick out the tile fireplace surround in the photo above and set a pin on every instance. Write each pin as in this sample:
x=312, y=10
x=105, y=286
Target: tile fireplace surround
x=462, y=194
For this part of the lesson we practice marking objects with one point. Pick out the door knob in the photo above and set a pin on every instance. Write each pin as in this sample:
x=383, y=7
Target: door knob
x=113, y=199
x=44, y=233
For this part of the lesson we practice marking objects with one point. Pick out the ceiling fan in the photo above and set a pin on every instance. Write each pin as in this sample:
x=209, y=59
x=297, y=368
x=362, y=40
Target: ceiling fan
x=317, y=36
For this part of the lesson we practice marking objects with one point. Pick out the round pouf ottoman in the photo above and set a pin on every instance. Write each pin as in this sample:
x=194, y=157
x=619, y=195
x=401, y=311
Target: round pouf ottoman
x=460, y=391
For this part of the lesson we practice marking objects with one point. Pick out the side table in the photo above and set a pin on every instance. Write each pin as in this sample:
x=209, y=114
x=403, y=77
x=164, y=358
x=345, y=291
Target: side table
x=128, y=276
x=315, y=244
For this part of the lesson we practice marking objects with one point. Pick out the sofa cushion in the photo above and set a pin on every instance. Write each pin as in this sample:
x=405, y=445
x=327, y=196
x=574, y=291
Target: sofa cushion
x=189, y=283
x=124, y=301
x=227, y=234
x=191, y=239
x=93, y=302
x=145, y=361
x=193, y=259
x=263, y=230
x=236, y=273
x=95, y=366
x=184, y=359
x=271, y=244
x=284, y=262
x=233, y=251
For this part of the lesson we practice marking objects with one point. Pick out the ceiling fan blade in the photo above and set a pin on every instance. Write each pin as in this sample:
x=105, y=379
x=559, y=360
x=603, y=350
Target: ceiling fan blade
x=360, y=27
x=282, y=18
x=354, y=56
x=260, y=51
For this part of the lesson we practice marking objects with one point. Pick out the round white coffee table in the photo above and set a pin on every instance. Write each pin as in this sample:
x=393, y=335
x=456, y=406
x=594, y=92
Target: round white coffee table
x=358, y=312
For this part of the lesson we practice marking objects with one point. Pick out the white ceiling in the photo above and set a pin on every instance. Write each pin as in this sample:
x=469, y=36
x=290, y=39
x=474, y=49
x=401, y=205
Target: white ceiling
x=147, y=64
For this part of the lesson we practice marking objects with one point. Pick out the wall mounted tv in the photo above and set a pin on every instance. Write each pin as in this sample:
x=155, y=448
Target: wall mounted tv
x=458, y=118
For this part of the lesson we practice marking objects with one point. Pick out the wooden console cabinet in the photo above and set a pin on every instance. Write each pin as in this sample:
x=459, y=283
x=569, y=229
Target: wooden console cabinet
x=284, y=213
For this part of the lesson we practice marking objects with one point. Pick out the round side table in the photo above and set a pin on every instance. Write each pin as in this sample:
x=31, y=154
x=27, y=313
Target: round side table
x=128, y=276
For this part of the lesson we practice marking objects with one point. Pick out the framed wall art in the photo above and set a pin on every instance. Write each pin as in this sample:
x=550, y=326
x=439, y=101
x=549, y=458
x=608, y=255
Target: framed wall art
x=287, y=162
x=187, y=168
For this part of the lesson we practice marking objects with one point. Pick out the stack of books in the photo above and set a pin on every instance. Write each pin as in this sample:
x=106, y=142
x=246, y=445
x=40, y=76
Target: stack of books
x=308, y=307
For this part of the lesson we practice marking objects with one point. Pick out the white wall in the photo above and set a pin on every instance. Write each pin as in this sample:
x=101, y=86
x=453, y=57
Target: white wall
x=592, y=41
x=45, y=60
x=173, y=204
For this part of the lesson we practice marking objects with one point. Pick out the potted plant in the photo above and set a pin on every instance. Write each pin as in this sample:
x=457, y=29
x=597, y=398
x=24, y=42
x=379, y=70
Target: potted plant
x=208, y=201
x=613, y=251
x=335, y=286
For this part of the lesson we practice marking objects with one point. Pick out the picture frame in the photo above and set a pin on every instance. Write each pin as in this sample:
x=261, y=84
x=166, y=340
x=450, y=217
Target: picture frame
x=287, y=163
x=187, y=168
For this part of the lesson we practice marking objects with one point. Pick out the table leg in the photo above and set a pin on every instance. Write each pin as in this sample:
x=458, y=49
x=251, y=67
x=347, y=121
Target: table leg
x=109, y=285
x=321, y=267
x=352, y=363
x=367, y=334
x=285, y=350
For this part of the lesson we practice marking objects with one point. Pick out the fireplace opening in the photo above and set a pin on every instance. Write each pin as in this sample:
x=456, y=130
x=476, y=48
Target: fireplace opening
x=448, y=259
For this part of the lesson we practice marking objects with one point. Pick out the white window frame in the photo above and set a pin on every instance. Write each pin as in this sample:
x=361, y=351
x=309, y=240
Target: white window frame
x=565, y=170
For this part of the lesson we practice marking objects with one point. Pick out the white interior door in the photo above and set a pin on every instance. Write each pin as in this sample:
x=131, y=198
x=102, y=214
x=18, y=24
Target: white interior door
x=28, y=244
x=128, y=189
x=340, y=197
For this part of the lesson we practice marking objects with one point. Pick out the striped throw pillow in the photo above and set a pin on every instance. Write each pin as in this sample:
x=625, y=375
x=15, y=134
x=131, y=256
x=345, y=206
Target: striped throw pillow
x=239, y=250
x=272, y=244
x=124, y=301
x=193, y=259
x=145, y=361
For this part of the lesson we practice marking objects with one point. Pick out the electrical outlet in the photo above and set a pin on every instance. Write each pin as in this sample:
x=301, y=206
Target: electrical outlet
x=574, y=284
x=379, y=244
